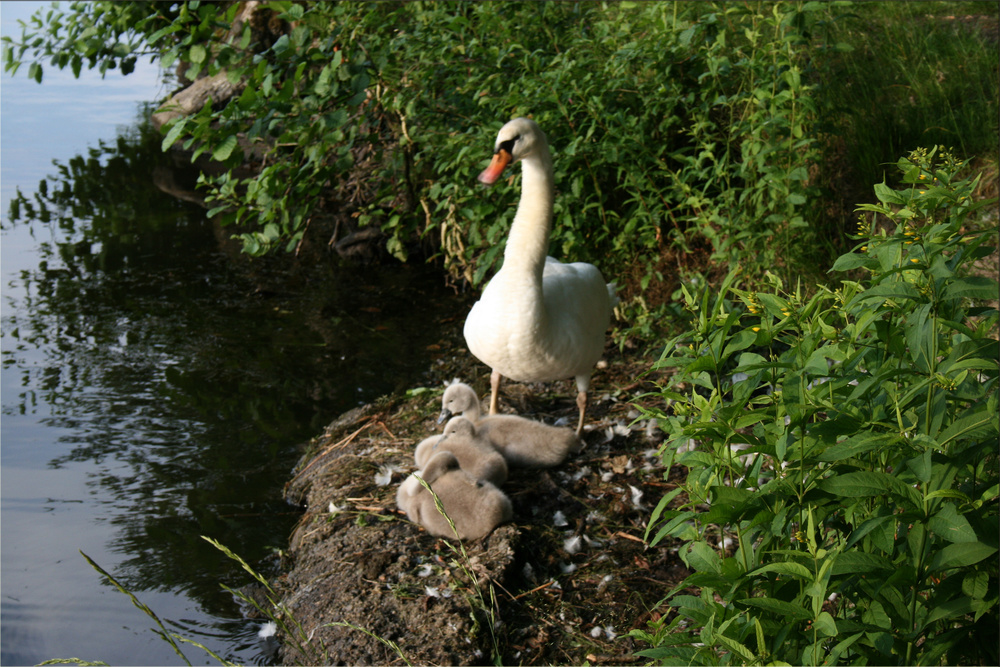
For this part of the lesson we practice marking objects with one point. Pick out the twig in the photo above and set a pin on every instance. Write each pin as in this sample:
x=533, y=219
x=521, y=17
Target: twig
x=630, y=537
x=336, y=445
x=298, y=246
x=535, y=589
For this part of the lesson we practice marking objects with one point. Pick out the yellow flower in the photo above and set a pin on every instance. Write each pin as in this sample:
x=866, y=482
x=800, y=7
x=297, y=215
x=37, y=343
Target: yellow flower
x=756, y=328
x=864, y=248
x=915, y=261
x=923, y=192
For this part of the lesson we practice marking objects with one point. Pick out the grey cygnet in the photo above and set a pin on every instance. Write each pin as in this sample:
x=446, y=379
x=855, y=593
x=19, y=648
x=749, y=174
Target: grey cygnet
x=475, y=507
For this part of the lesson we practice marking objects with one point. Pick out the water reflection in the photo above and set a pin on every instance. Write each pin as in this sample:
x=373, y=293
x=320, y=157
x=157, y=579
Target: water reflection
x=181, y=376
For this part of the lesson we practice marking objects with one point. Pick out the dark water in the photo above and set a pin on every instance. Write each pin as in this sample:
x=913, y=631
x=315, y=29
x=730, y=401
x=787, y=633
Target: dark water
x=156, y=387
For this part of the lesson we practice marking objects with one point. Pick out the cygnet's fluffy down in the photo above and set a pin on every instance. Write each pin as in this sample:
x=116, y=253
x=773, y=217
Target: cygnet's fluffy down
x=475, y=455
x=523, y=442
x=475, y=507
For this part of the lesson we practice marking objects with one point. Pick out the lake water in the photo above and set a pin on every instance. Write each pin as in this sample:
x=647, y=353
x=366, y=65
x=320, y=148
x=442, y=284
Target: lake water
x=156, y=386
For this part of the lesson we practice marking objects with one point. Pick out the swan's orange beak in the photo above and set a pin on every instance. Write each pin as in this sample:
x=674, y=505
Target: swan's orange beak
x=500, y=160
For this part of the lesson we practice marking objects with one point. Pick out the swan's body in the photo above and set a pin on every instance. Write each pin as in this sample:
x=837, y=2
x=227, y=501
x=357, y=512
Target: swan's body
x=475, y=455
x=538, y=320
x=475, y=507
x=522, y=442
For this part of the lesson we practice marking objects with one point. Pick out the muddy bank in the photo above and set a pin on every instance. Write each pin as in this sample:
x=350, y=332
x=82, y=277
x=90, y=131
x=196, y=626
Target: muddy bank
x=563, y=583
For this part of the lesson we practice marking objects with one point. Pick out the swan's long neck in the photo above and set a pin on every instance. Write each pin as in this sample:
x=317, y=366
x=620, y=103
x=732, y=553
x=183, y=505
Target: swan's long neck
x=528, y=242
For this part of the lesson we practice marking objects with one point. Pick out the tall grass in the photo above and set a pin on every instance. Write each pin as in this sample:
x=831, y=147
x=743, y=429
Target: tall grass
x=919, y=74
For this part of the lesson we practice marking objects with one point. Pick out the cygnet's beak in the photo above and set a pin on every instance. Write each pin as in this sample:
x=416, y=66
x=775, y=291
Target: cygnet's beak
x=445, y=415
x=492, y=173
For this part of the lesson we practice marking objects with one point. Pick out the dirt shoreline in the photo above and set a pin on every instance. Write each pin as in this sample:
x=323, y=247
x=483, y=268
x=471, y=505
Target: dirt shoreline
x=562, y=584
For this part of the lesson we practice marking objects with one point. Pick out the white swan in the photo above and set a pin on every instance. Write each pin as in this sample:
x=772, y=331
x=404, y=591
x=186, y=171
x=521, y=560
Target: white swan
x=475, y=455
x=522, y=442
x=538, y=320
x=476, y=508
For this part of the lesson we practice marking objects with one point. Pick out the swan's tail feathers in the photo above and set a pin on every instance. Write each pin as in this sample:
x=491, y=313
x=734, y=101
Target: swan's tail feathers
x=613, y=294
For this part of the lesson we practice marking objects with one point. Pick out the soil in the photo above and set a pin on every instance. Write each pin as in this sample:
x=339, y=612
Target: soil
x=563, y=583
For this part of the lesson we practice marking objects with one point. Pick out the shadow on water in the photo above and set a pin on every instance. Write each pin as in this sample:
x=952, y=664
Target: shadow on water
x=182, y=375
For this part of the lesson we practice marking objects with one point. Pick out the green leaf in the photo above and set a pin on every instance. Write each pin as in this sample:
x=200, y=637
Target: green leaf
x=825, y=625
x=702, y=557
x=197, y=54
x=850, y=261
x=173, y=134
x=857, y=444
x=741, y=341
x=735, y=647
x=662, y=505
x=859, y=562
x=977, y=422
x=225, y=148
x=786, y=568
x=779, y=608
x=887, y=195
x=882, y=530
x=951, y=525
x=960, y=555
x=976, y=584
x=971, y=287
x=948, y=493
x=159, y=34
x=863, y=484
x=950, y=609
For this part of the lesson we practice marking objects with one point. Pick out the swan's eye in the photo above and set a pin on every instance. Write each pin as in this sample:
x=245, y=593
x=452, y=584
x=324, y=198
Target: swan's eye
x=509, y=144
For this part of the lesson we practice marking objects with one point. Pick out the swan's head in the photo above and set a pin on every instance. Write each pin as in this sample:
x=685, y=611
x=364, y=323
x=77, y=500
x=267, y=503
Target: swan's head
x=519, y=139
x=457, y=399
x=458, y=427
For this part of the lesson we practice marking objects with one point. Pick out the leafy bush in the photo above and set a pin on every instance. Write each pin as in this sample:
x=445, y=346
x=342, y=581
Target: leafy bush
x=841, y=499
x=674, y=126
x=687, y=136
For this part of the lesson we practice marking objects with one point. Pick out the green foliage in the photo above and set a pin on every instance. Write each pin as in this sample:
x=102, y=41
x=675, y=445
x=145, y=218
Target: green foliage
x=842, y=451
x=673, y=125
x=105, y=35
x=685, y=135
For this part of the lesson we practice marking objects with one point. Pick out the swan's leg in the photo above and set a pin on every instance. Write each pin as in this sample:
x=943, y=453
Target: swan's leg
x=494, y=391
x=582, y=385
x=581, y=402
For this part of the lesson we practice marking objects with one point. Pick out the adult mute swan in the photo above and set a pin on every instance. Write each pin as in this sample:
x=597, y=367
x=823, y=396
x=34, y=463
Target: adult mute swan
x=538, y=320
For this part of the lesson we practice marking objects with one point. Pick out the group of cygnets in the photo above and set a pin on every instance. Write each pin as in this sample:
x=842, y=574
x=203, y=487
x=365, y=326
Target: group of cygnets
x=466, y=465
